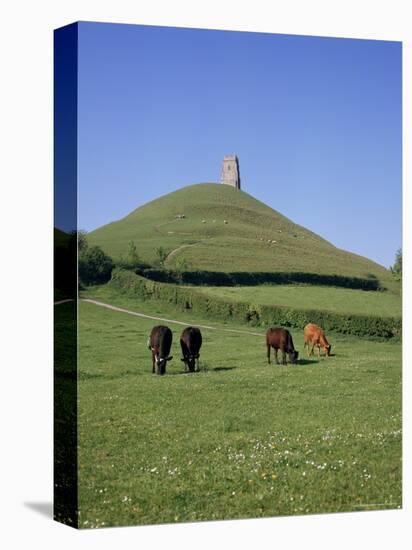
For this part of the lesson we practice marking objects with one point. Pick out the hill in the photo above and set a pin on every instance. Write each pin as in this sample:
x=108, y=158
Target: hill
x=216, y=227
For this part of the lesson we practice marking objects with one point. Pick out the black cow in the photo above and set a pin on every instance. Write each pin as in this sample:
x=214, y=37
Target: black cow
x=191, y=342
x=160, y=342
x=280, y=338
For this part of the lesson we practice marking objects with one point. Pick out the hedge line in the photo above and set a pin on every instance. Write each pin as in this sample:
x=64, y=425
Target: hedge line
x=271, y=315
x=217, y=278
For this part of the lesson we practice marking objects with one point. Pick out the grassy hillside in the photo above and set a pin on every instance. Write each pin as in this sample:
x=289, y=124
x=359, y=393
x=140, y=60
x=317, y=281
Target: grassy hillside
x=224, y=229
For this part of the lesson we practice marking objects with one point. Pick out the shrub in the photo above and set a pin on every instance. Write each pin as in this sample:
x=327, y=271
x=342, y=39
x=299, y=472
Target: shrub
x=161, y=255
x=95, y=267
x=132, y=260
x=82, y=240
x=181, y=265
x=396, y=269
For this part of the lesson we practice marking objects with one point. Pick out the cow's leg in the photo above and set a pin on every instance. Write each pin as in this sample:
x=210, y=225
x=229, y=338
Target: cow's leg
x=197, y=365
x=153, y=362
x=268, y=354
x=318, y=351
x=185, y=353
x=191, y=354
x=311, y=351
x=276, y=356
x=283, y=357
x=192, y=364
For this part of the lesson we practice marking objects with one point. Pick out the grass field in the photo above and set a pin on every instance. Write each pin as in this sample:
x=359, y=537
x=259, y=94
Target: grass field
x=341, y=300
x=238, y=439
x=254, y=238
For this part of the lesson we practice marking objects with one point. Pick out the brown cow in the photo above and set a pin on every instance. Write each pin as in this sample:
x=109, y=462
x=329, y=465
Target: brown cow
x=280, y=338
x=314, y=336
x=191, y=342
x=160, y=342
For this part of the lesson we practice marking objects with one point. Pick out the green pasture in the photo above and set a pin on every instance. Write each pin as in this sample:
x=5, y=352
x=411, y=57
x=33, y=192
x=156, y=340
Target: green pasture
x=239, y=439
x=342, y=300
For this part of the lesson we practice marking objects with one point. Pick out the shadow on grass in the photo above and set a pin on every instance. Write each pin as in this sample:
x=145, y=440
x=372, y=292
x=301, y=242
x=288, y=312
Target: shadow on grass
x=316, y=359
x=307, y=361
x=181, y=373
x=300, y=362
x=216, y=369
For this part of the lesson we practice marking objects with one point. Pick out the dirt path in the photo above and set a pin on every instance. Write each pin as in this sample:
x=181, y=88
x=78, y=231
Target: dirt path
x=182, y=246
x=176, y=250
x=173, y=321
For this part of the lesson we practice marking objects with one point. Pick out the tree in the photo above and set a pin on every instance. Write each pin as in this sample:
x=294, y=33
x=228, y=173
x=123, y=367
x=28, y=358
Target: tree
x=397, y=266
x=82, y=243
x=181, y=264
x=161, y=255
x=132, y=255
x=95, y=267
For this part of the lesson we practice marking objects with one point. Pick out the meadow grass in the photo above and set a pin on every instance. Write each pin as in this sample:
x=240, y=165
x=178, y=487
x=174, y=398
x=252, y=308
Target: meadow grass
x=342, y=300
x=239, y=439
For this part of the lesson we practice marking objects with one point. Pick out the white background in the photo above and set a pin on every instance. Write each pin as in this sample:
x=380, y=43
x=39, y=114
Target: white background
x=26, y=269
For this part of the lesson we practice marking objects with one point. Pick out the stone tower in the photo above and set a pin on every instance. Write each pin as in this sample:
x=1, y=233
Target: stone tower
x=230, y=171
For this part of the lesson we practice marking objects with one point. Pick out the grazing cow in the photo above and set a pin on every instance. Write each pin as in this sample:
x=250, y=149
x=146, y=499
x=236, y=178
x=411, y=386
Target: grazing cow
x=160, y=342
x=280, y=338
x=314, y=336
x=191, y=342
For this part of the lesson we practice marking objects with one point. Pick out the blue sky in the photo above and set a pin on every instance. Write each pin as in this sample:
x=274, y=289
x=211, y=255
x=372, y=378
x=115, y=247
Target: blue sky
x=316, y=124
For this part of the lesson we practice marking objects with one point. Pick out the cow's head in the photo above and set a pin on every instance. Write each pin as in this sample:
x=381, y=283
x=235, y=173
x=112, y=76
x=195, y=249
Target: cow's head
x=293, y=357
x=190, y=361
x=161, y=363
x=327, y=349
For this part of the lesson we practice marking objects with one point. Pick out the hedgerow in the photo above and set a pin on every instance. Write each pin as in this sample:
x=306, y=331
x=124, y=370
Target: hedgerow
x=217, y=278
x=184, y=298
